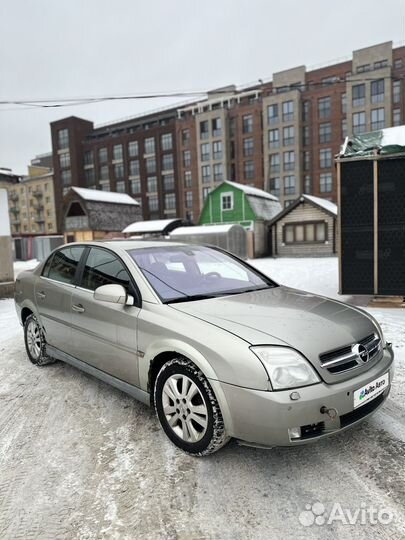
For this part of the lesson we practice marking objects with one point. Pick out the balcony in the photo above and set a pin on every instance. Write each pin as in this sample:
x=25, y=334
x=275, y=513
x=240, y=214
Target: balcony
x=13, y=196
x=38, y=206
x=38, y=193
x=14, y=210
x=40, y=218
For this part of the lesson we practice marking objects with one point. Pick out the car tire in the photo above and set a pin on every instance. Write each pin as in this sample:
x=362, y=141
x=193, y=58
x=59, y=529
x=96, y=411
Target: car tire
x=187, y=408
x=35, y=343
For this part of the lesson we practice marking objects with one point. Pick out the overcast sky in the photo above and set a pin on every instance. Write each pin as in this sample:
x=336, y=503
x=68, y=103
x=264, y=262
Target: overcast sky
x=81, y=48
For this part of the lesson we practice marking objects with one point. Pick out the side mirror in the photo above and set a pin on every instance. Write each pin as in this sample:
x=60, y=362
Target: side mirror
x=116, y=294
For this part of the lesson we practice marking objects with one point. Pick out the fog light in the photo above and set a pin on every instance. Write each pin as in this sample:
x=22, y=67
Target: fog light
x=294, y=433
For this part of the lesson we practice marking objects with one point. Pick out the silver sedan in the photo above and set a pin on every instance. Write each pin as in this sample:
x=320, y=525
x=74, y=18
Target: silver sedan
x=219, y=349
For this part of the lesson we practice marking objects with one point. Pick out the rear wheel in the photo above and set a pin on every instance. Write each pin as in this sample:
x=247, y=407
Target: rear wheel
x=35, y=342
x=187, y=408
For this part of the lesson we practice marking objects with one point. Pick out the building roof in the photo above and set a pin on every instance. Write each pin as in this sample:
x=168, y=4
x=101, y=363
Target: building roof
x=152, y=226
x=38, y=177
x=9, y=174
x=327, y=206
x=104, y=196
x=203, y=229
x=383, y=142
x=265, y=209
x=128, y=244
x=324, y=203
x=249, y=190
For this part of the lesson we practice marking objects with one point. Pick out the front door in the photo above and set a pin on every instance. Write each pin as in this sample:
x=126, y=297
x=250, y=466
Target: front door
x=104, y=335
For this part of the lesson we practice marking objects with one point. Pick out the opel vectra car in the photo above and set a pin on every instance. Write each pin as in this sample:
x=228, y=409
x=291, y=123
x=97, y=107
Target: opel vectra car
x=219, y=349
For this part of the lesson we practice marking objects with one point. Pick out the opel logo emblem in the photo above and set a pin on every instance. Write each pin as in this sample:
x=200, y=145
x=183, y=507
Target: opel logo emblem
x=361, y=352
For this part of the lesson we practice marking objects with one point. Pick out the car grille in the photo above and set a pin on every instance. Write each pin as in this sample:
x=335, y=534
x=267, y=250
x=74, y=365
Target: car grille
x=344, y=359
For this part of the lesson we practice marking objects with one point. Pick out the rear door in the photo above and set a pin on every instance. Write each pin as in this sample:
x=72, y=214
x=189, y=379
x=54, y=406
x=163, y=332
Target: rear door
x=104, y=335
x=53, y=291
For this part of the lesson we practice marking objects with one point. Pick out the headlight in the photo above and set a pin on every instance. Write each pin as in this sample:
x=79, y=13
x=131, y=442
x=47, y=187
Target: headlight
x=285, y=367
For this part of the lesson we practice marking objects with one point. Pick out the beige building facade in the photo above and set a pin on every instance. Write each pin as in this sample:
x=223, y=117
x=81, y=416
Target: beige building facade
x=282, y=136
x=32, y=203
x=370, y=89
x=211, y=120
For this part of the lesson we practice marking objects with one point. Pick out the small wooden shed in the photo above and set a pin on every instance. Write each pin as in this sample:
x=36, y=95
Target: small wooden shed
x=90, y=214
x=306, y=228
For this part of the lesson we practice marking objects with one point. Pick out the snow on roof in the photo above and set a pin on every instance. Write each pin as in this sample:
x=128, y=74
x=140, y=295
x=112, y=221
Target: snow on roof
x=153, y=226
x=104, y=196
x=39, y=177
x=393, y=135
x=265, y=209
x=383, y=141
x=324, y=203
x=249, y=190
x=203, y=229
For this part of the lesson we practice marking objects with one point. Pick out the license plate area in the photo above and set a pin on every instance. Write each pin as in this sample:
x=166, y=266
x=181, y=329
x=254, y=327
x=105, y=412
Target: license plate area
x=370, y=391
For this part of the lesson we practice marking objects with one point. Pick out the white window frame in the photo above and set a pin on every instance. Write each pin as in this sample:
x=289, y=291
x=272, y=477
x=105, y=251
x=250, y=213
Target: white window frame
x=223, y=195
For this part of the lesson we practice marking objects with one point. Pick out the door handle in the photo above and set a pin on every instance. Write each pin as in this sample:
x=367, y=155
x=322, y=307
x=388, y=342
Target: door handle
x=41, y=295
x=78, y=308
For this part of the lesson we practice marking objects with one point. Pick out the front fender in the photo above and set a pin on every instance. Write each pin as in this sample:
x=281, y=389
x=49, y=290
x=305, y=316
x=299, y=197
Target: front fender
x=178, y=347
x=184, y=349
x=219, y=354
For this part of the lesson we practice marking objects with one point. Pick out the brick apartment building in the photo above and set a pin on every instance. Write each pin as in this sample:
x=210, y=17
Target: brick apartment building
x=280, y=136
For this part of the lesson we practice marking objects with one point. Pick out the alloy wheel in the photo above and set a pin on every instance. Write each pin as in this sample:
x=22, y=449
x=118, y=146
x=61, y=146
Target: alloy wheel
x=34, y=340
x=185, y=408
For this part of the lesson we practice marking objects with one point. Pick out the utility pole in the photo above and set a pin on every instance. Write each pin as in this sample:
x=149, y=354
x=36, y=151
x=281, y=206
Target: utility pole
x=6, y=252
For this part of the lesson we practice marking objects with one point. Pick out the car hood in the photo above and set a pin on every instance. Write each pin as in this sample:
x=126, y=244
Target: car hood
x=309, y=323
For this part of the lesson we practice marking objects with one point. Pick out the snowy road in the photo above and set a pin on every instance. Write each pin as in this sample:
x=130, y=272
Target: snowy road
x=81, y=460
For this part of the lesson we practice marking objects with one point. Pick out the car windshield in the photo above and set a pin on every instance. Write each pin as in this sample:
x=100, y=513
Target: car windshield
x=183, y=273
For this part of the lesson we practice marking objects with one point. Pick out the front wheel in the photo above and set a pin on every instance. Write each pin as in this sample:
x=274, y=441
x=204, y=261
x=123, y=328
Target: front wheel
x=187, y=408
x=35, y=342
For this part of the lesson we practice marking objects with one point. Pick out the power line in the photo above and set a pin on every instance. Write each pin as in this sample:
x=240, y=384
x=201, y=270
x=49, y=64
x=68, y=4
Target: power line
x=71, y=102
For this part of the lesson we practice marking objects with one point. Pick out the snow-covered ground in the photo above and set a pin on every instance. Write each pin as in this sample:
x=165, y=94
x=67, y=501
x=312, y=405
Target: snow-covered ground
x=318, y=275
x=81, y=460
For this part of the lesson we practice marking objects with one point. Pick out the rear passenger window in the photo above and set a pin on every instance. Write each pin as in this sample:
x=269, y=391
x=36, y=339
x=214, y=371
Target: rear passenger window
x=64, y=263
x=103, y=268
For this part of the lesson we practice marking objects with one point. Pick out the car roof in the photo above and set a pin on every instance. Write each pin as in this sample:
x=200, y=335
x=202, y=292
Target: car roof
x=137, y=244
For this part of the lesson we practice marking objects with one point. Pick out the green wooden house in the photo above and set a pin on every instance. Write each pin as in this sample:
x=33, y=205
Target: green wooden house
x=248, y=206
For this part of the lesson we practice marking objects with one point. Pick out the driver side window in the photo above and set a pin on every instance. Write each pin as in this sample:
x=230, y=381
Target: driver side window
x=104, y=268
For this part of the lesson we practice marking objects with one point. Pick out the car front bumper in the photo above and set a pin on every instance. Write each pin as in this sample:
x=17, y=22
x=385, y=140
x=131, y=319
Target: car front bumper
x=260, y=418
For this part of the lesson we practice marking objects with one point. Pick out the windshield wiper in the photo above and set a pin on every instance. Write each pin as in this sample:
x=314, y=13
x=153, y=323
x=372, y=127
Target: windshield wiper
x=219, y=294
x=241, y=291
x=191, y=297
